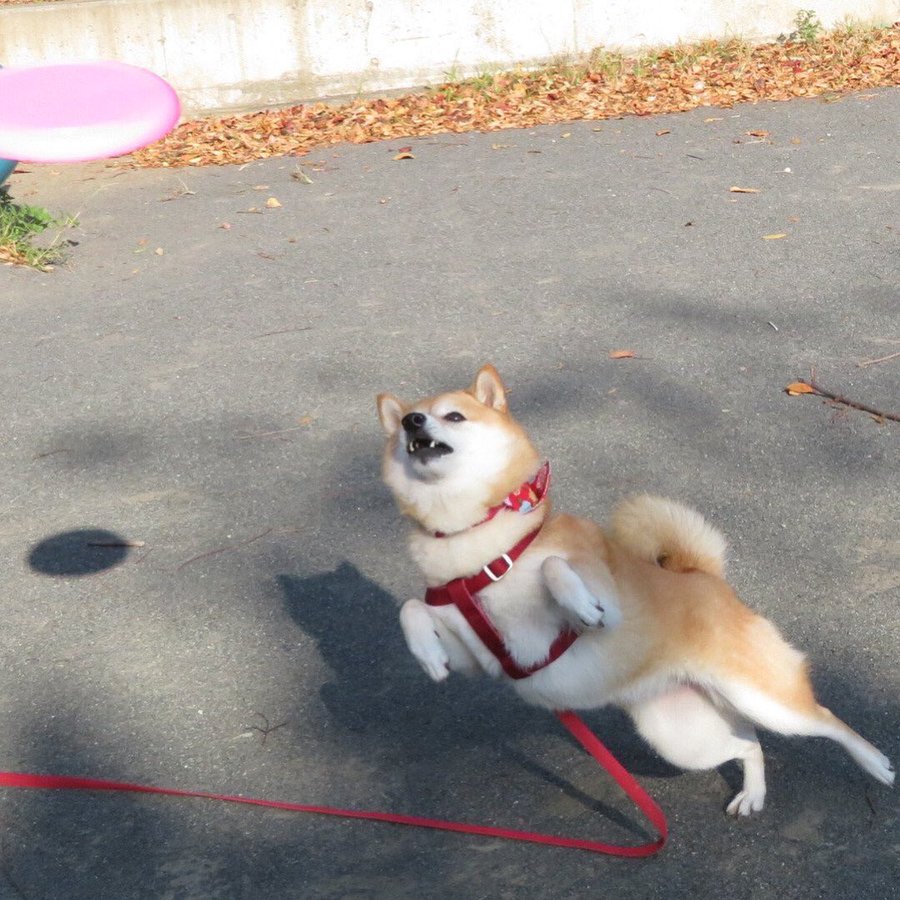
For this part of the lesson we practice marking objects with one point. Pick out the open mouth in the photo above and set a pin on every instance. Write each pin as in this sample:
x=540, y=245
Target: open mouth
x=425, y=449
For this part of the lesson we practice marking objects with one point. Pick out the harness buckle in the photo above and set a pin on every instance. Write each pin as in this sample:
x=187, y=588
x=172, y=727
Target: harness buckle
x=487, y=570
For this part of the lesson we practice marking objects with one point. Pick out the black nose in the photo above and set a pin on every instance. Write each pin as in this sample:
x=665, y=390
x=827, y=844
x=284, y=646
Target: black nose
x=413, y=421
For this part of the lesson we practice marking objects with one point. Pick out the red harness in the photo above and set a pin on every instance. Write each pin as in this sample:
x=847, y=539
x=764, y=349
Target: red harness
x=461, y=592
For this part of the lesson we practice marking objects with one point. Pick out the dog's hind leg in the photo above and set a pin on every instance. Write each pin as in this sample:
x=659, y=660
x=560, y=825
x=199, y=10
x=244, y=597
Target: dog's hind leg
x=688, y=730
x=593, y=607
x=864, y=754
x=806, y=718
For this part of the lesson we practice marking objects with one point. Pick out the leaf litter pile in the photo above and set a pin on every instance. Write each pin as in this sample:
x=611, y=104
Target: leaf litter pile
x=607, y=85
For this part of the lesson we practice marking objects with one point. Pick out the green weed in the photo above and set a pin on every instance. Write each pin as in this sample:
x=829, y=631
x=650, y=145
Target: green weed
x=20, y=225
x=807, y=27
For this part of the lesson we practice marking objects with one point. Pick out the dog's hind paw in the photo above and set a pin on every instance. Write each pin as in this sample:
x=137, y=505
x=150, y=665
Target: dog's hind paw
x=882, y=769
x=745, y=803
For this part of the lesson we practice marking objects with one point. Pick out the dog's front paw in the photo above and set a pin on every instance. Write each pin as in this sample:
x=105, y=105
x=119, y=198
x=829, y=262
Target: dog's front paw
x=570, y=592
x=589, y=610
x=423, y=641
x=434, y=660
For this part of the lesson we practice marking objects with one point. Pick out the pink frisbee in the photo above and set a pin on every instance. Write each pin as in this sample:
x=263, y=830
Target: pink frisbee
x=80, y=111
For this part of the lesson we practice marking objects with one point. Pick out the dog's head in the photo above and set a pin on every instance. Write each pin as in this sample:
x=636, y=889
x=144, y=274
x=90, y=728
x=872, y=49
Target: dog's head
x=461, y=448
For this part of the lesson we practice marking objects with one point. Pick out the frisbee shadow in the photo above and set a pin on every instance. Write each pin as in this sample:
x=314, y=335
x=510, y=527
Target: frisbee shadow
x=80, y=552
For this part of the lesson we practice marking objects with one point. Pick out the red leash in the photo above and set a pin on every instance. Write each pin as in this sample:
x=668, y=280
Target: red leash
x=575, y=725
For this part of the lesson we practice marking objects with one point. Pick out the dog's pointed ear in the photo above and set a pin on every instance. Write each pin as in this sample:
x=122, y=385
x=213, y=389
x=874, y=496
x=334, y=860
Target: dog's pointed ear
x=390, y=411
x=488, y=388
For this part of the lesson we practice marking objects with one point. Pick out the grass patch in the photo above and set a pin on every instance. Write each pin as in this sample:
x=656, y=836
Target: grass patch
x=20, y=225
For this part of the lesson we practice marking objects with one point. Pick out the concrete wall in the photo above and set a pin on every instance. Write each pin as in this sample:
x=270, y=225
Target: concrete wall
x=243, y=54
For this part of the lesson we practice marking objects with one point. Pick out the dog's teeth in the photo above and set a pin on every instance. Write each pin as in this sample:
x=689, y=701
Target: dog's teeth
x=433, y=444
x=409, y=447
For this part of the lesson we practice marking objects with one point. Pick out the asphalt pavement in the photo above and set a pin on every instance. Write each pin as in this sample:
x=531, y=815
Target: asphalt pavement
x=202, y=568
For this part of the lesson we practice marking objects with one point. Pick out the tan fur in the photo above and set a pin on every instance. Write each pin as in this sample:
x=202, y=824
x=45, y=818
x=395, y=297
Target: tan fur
x=661, y=633
x=669, y=534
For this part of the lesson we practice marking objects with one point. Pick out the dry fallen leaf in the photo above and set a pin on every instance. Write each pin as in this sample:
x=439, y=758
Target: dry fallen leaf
x=272, y=203
x=836, y=64
x=622, y=354
x=795, y=388
x=159, y=251
x=774, y=237
x=740, y=190
x=404, y=154
x=662, y=132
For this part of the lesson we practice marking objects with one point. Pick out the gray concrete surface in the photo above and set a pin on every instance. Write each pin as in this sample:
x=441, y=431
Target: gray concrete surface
x=229, y=55
x=208, y=391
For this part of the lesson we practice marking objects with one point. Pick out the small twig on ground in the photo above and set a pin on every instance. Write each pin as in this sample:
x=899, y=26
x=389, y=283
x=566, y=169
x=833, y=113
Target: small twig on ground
x=266, y=729
x=180, y=566
x=871, y=806
x=280, y=331
x=50, y=453
x=881, y=359
x=184, y=192
x=115, y=544
x=853, y=404
x=264, y=434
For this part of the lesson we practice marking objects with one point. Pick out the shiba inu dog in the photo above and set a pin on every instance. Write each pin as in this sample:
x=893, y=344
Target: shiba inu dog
x=576, y=616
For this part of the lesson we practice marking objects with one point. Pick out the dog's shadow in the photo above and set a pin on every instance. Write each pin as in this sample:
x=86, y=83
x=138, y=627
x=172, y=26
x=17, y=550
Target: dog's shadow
x=378, y=691
x=381, y=698
x=352, y=621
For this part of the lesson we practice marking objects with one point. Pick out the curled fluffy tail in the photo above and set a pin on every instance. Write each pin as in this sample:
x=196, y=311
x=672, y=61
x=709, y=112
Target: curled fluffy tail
x=669, y=534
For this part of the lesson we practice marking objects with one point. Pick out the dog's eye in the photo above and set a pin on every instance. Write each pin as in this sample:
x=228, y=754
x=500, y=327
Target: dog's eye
x=454, y=417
